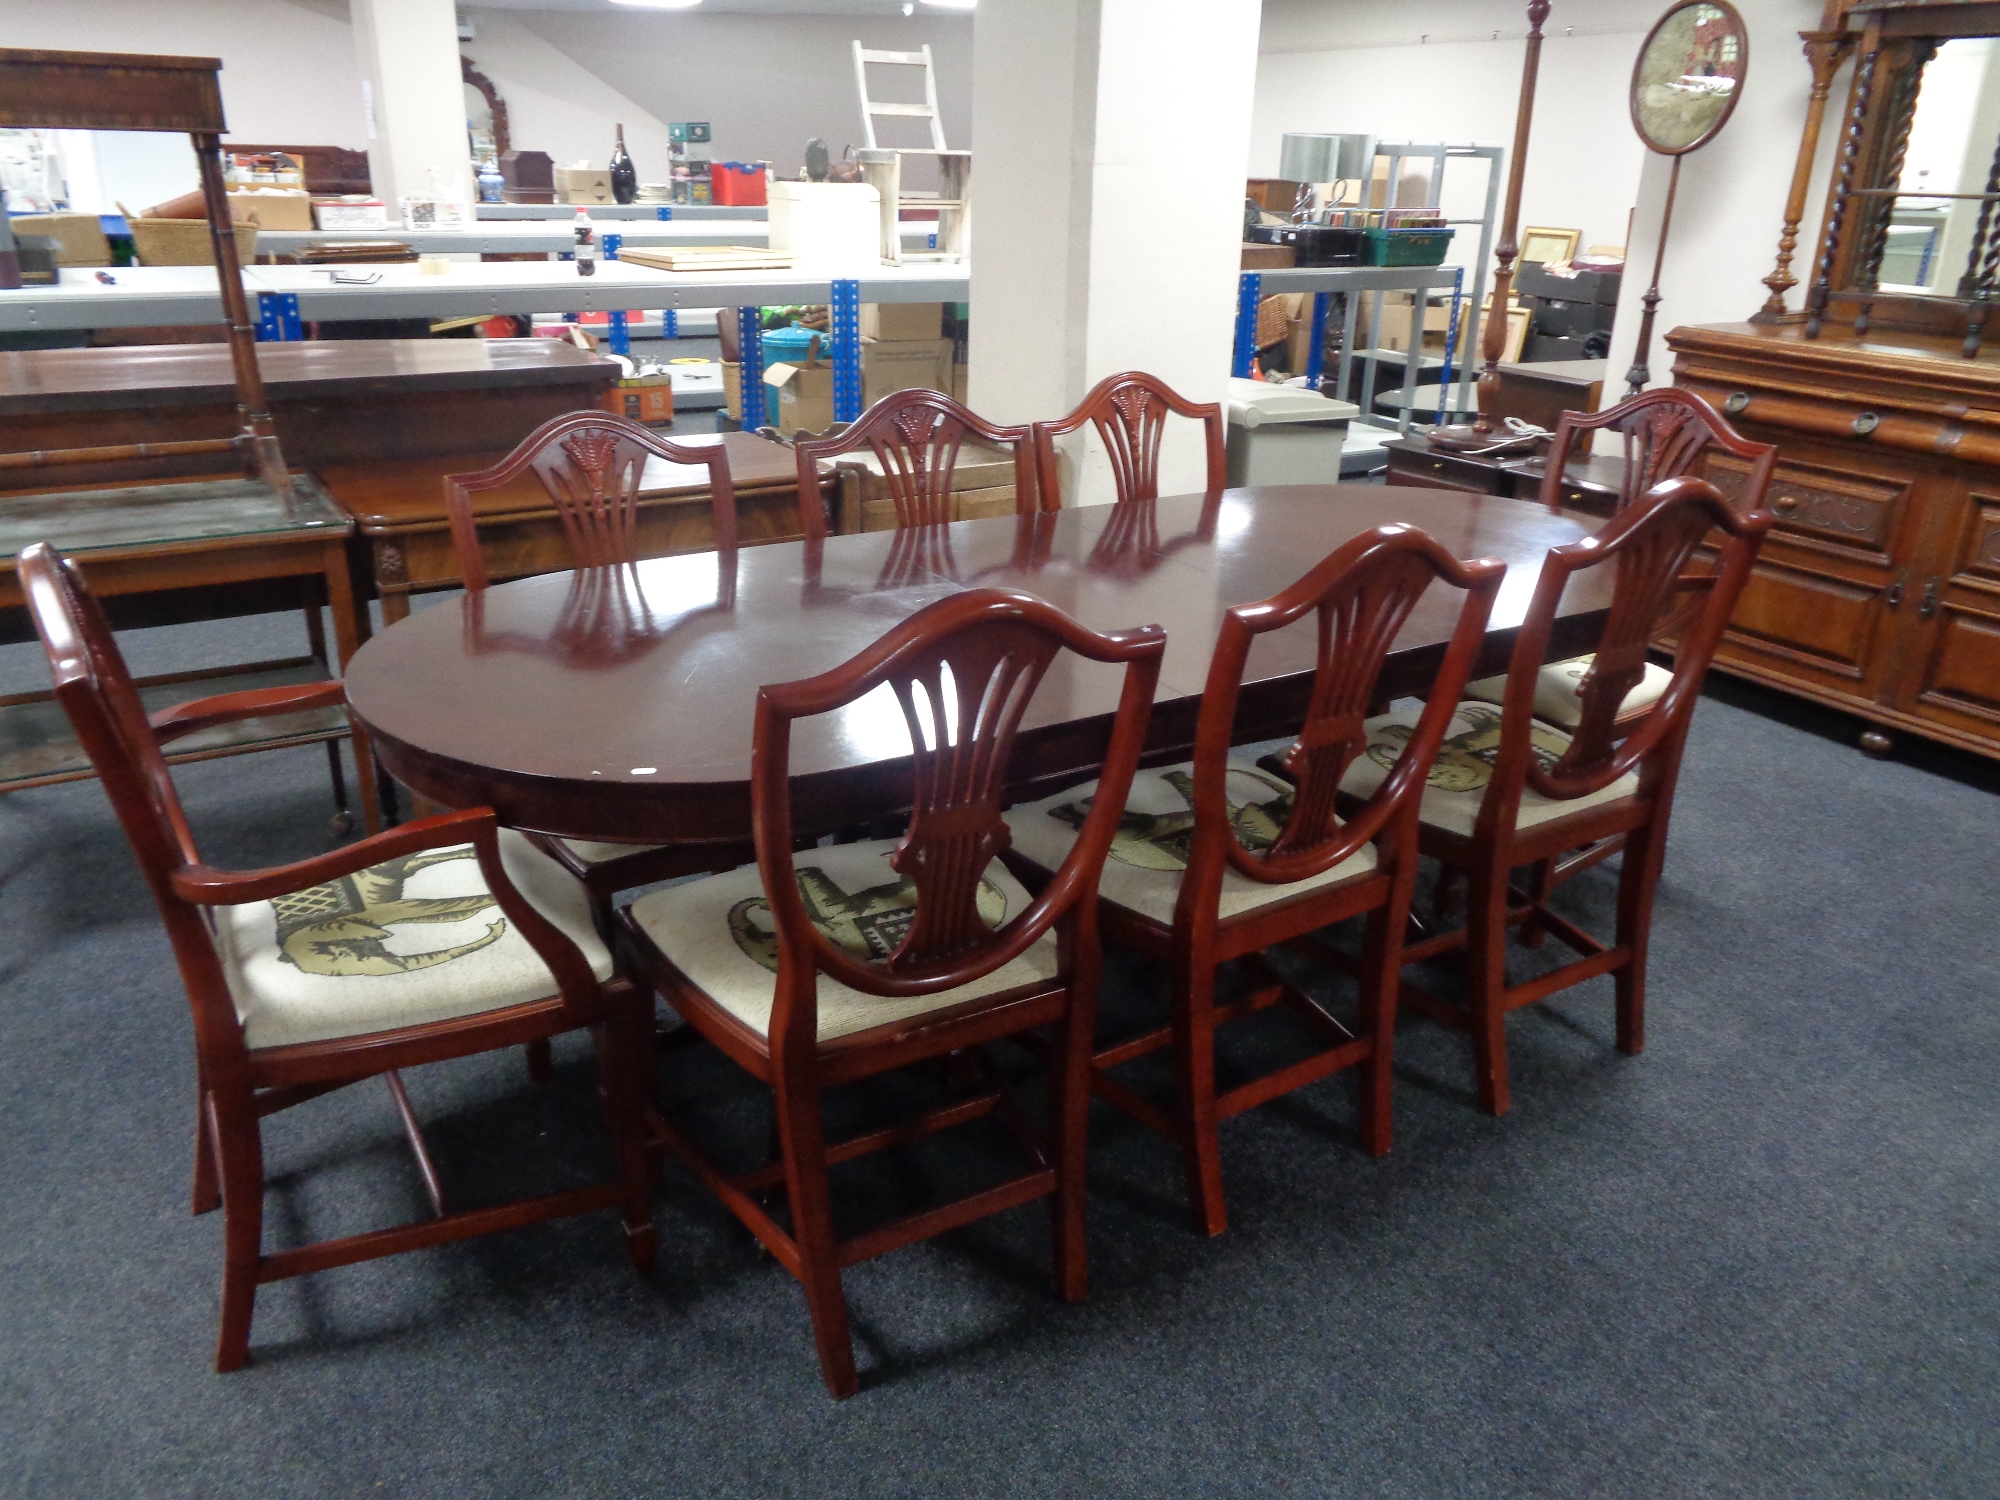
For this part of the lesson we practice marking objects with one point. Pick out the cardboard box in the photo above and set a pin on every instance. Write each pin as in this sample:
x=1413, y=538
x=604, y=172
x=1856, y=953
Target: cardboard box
x=584, y=185
x=643, y=398
x=982, y=484
x=902, y=320
x=801, y=397
x=351, y=213
x=797, y=398
x=1268, y=257
x=79, y=236
x=904, y=365
x=272, y=210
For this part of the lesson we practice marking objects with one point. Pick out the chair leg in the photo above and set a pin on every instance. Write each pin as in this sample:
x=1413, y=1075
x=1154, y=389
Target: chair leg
x=1541, y=880
x=1194, y=1084
x=804, y=1140
x=625, y=1062
x=234, y=1127
x=1486, y=985
x=1637, y=881
x=541, y=1062
x=1069, y=1132
x=1382, y=974
x=207, y=1195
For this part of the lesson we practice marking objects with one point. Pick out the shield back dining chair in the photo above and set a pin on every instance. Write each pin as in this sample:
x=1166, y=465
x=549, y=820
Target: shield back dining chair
x=1665, y=433
x=592, y=465
x=1217, y=861
x=442, y=938
x=915, y=438
x=820, y=968
x=1509, y=790
x=1129, y=412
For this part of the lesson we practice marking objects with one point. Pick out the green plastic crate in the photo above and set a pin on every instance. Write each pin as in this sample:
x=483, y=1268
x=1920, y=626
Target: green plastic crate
x=1408, y=247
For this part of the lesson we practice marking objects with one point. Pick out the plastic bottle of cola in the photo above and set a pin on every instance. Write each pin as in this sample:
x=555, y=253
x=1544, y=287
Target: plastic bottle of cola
x=586, y=244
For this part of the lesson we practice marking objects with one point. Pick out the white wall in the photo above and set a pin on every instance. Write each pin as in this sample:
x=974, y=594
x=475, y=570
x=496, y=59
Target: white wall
x=555, y=104
x=1111, y=219
x=1375, y=78
x=1731, y=202
x=765, y=83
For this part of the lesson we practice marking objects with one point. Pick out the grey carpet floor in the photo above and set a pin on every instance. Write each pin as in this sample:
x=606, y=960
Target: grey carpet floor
x=1759, y=1260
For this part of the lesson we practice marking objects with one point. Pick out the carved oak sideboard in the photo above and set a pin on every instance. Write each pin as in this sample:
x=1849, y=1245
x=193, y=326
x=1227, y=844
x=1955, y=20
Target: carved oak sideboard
x=1878, y=591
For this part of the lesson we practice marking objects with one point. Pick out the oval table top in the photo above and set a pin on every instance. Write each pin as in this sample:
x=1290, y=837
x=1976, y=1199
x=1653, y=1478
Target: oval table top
x=617, y=704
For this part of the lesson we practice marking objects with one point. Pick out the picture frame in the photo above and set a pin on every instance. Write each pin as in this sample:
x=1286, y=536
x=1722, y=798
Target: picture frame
x=1545, y=245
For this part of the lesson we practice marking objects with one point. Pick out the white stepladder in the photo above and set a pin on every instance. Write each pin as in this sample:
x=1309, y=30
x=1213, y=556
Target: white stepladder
x=928, y=110
x=883, y=167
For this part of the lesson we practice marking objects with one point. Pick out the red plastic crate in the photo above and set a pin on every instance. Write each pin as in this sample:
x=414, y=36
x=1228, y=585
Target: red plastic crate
x=739, y=184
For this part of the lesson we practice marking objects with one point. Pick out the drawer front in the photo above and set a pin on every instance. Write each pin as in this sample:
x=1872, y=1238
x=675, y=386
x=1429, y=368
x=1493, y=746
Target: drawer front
x=1440, y=471
x=1855, y=515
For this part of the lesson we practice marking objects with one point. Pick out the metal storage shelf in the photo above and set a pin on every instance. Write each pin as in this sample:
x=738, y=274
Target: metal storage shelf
x=499, y=212
x=548, y=238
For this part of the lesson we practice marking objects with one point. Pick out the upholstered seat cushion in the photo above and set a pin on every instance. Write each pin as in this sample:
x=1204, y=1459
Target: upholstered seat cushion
x=411, y=940
x=1149, y=852
x=718, y=932
x=1464, y=767
x=1557, y=690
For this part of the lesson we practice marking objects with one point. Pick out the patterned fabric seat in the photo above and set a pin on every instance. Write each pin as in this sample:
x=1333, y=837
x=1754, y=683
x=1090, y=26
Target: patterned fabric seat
x=411, y=940
x=1557, y=690
x=1464, y=766
x=1149, y=852
x=718, y=933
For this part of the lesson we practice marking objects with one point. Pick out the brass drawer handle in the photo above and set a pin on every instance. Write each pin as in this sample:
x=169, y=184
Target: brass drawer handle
x=1894, y=596
x=1929, y=604
x=1785, y=503
x=1866, y=423
x=1737, y=404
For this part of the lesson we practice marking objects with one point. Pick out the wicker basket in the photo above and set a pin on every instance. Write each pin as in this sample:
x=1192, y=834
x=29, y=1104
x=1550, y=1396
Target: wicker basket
x=185, y=242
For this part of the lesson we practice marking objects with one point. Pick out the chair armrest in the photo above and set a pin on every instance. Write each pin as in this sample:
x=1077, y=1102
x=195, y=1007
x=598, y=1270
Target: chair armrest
x=225, y=708
x=204, y=885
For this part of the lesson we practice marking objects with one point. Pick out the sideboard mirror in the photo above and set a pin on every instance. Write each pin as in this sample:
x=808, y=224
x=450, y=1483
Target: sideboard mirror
x=1912, y=230
x=485, y=116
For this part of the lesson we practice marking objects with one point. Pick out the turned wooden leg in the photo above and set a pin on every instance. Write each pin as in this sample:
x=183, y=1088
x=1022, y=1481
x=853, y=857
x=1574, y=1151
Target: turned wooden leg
x=234, y=1128
x=1194, y=1087
x=1486, y=985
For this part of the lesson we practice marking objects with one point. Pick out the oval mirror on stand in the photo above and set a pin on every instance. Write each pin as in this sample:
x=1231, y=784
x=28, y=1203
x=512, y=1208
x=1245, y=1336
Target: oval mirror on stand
x=1684, y=89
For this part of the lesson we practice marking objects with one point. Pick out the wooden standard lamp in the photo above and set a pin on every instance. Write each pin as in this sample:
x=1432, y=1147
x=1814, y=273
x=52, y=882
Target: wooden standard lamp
x=1485, y=429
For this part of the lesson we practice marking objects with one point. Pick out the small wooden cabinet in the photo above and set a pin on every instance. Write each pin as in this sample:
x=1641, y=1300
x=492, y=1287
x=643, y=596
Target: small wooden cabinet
x=1878, y=591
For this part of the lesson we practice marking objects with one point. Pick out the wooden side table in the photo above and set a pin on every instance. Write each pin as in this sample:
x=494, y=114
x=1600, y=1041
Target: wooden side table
x=333, y=402
x=404, y=538
x=202, y=549
x=1591, y=484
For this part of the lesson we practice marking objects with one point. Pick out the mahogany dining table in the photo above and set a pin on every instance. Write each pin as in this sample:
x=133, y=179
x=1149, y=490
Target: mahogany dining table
x=616, y=704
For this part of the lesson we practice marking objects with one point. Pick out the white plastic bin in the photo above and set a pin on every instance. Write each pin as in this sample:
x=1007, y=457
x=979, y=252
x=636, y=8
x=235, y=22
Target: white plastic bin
x=1284, y=434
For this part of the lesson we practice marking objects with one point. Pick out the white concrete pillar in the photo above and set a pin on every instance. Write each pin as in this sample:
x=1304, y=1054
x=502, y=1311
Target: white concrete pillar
x=1112, y=138
x=408, y=56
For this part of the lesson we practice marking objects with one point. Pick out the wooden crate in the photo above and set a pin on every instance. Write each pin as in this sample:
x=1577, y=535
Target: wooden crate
x=982, y=485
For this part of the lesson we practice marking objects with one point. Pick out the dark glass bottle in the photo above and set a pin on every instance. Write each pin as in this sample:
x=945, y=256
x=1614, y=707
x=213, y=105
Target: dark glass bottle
x=624, y=176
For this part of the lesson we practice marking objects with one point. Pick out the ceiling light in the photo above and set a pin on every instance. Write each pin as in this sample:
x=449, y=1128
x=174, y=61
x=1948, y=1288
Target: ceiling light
x=952, y=4
x=659, y=4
